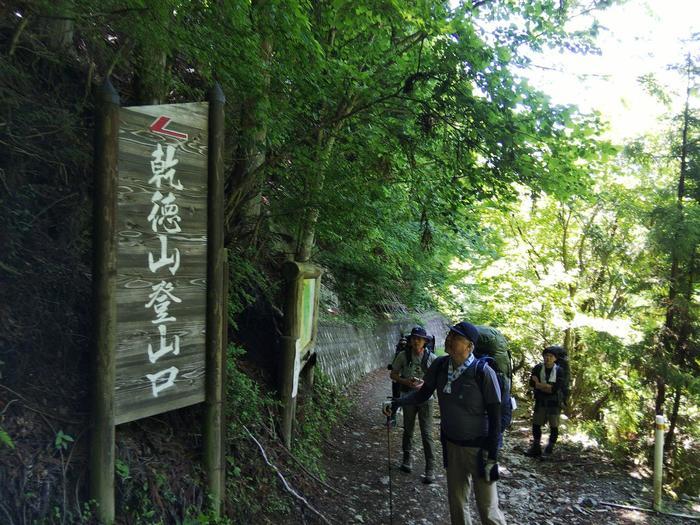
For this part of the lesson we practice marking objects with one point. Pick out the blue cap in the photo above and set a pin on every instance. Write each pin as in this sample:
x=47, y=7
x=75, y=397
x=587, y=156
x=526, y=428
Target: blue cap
x=419, y=331
x=467, y=330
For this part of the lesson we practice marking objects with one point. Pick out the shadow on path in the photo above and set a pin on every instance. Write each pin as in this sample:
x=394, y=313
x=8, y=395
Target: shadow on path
x=566, y=489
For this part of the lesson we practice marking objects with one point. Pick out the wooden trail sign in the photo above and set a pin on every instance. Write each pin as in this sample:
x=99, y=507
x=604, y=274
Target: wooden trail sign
x=158, y=276
x=161, y=259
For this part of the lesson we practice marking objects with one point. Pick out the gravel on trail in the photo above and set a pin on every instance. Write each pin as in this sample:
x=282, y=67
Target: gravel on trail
x=571, y=487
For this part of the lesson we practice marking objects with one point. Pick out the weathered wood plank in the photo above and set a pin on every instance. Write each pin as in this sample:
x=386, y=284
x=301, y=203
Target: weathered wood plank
x=169, y=196
x=194, y=114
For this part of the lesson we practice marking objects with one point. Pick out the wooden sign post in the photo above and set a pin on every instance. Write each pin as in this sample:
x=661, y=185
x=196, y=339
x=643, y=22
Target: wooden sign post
x=158, y=274
x=217, y=303
x=104, y=279
x=301, y=323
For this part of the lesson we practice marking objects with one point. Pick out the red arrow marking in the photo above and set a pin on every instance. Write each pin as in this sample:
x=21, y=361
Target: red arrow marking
x=159, y=124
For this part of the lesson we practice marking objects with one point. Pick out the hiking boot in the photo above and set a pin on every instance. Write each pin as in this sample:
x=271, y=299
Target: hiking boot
x=429, y=476
x=406, y=465
x=535, y=450
x=549, y=449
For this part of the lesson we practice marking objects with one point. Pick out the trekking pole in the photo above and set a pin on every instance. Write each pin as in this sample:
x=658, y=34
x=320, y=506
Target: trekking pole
x=388, y=465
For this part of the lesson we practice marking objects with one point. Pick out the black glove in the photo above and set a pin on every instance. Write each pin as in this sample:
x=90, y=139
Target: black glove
x=488, y=467
x=491, y=471
x=389, y=407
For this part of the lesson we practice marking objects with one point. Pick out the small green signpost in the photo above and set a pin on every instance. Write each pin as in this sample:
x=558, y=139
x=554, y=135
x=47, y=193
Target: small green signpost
x=301, y=322
x=308, y=312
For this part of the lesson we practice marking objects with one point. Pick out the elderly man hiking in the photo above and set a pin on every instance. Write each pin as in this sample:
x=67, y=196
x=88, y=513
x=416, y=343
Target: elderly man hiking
x=408, y=370
x=470, y=423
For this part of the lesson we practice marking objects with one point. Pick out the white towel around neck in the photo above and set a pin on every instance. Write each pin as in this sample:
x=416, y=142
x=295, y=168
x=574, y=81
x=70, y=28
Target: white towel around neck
x=552, y=377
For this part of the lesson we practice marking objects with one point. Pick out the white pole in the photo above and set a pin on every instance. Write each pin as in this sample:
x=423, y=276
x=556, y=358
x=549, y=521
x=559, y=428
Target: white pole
x=658, y=460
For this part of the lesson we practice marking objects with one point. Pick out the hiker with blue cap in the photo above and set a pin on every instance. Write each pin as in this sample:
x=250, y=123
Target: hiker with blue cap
x=407, y=371
x=470, y=423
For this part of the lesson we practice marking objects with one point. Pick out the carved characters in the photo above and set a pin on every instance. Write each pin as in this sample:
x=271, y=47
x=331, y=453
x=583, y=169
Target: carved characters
x=164, y=219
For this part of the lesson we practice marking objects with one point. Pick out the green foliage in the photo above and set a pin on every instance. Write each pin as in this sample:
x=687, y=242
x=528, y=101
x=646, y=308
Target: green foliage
x=246, y=282
x=408, y=113
x=413, y=118
x=194, y=517
x=611, y=273
x=247, y=476
x=62, y=441
x=137, y=496
x=318, y=417
x=399, y=138
x=252, y=487
x=247, y=404
x=685, y=458
x=85, y=514
x=5, y=439
x=122, y=469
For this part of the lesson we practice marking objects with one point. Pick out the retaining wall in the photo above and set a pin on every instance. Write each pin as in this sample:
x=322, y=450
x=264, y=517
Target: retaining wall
x=346, y=353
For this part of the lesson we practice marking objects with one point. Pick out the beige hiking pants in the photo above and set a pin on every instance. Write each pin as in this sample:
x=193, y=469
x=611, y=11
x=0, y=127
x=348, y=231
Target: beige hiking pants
x=462, y=474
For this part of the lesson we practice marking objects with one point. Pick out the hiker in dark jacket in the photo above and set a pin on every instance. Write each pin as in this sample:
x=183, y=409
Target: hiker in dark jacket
x=470, y=423
x=547, y=381
x=407, y=371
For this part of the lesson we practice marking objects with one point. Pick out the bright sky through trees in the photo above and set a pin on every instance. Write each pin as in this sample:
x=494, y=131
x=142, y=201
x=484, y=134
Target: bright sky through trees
x=639, y=37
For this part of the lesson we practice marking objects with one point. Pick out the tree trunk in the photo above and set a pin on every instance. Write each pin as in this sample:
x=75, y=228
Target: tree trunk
x=244, y=204
x=60, y=30
x=149, y=80
x=325, y=140
x=569, y=309
x=60, y=35
x=673, y=419
x=660, y=395
x=307, y=232
x=245, y=182
x=307, y=228
x=670, y=341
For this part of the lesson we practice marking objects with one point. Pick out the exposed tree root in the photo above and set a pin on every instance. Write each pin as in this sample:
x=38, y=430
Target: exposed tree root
x=284, y=481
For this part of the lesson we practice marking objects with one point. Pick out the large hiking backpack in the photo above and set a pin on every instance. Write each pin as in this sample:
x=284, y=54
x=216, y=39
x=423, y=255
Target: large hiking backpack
x=492, y=349
x=493, y=343
x=430, y=345
x=563, y=364
x=400, y=347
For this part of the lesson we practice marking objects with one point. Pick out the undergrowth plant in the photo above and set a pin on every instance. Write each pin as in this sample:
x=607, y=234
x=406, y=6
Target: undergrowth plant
x=251, y=486
x=5, y=439
x=319, y=412
x=253, y=490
